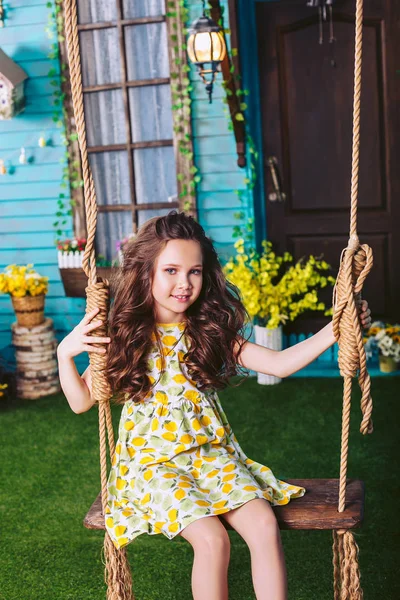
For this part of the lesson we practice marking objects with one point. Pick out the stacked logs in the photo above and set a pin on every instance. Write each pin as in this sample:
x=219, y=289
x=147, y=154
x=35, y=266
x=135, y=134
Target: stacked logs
x=35, y=350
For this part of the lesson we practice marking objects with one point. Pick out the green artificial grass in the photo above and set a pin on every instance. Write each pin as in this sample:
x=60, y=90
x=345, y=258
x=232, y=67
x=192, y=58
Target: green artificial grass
x=50, y=476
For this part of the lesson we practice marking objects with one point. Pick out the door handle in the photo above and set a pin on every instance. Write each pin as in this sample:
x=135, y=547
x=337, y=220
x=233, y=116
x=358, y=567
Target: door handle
x=278, y=195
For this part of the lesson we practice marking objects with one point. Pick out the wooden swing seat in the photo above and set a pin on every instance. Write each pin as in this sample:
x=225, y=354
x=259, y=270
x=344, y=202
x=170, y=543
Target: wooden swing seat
x=317, y=509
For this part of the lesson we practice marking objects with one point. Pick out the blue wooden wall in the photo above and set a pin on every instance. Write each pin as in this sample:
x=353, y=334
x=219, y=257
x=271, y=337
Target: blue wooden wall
x=28, y=196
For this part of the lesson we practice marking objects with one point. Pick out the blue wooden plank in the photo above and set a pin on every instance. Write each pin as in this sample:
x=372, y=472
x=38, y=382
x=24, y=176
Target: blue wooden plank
x=46, y=189
x=40, y=105
x=222, y=181
x=12, y=5
x=215, y=200
x=22, y=225
x=34, y=123
x=224, y=144
x=202, y=109
x=30, y=16
x=218, y=218
x=39, y=68
x=22, y=256
x=30, y=139
x=33, y=37
x=39, y=86
x=210, y=163
x=220, y=234
x=211, y=127
x=31, y=173
x=29, y=208
x=21, y=52
x=22, y=240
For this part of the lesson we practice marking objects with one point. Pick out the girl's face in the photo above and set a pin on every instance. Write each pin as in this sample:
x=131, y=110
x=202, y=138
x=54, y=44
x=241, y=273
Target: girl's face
x=177, y=279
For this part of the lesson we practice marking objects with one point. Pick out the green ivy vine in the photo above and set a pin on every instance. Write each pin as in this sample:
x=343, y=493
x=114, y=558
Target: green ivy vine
x=70, y=172
x=188, y=174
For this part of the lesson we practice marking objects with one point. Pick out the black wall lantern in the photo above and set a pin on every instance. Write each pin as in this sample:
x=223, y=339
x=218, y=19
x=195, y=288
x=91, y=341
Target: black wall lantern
x=206, y=45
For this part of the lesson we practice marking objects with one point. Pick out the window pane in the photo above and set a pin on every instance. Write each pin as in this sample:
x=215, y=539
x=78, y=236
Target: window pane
x=96, y=11
x=147, y=51
x=155, y=175
x=100, y=43
x=143, y=8
x=111, y=177
x=105, y=118
x=111, y=227
x=151, y=113
x=145, y=215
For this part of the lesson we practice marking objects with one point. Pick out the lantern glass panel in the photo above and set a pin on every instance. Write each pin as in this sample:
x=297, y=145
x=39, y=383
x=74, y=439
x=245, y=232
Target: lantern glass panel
x=200, y=44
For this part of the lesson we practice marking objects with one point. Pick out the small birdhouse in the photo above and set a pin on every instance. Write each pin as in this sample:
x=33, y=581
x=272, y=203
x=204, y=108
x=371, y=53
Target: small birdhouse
x=12, y=78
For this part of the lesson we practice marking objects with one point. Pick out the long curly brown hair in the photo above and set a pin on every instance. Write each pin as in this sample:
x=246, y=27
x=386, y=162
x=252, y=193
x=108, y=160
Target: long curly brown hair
x=213, y=321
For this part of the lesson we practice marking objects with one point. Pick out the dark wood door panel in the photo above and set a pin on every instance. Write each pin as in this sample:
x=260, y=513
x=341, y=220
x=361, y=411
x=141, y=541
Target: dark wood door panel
x=307, y=104
x=316, y=94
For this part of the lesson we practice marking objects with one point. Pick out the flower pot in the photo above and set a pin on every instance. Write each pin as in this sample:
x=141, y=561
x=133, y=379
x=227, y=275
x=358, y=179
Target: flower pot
x=387, y=364
x=29, y=310
x=75, y=281
x=269, y=338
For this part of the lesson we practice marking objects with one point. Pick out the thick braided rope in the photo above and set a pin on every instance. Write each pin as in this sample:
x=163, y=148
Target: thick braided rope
x=345, y=567
x=117, y=573
x=355, y=263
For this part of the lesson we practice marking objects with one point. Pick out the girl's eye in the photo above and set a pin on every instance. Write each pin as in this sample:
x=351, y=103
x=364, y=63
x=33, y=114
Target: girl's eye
x=193, y=270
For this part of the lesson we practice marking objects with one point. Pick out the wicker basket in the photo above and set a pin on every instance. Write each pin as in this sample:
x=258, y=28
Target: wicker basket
x=29, y=310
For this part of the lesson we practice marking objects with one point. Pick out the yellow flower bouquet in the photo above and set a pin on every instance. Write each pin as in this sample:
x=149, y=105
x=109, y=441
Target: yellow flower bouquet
x=27, y=290
x=273, y=290
x=20, y=281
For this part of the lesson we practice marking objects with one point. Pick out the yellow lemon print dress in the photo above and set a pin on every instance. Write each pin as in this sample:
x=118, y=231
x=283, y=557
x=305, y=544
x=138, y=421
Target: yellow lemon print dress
x=177, y=458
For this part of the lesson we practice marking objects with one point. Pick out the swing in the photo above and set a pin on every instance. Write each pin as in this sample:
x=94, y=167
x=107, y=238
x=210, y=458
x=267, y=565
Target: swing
x=335, y=504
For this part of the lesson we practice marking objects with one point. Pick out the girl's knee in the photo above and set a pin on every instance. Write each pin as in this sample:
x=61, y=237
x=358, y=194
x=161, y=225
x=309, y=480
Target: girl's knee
x=267, y=532
x=208, y=537
x=213, y=543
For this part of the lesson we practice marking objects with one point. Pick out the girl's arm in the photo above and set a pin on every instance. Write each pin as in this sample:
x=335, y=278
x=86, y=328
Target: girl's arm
x=283, y=363
x=75, y=387
x=78, y=389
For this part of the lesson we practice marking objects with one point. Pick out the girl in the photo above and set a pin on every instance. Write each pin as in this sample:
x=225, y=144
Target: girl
x=176, y=330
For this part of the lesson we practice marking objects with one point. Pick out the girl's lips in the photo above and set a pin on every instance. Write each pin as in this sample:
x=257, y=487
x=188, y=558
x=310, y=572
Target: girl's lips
x=183, y=299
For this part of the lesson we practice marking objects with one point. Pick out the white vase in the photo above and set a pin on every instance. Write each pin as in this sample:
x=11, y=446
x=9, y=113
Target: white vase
x=269, y=338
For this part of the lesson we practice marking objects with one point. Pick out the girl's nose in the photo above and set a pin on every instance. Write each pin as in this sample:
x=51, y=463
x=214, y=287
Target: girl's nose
x=184, y=284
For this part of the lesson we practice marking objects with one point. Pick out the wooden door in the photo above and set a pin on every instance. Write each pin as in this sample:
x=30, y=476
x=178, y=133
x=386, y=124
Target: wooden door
x=307, y=102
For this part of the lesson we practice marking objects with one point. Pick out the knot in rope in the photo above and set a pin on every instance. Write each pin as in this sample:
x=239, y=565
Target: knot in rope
x=98, y=296
x=355, y=264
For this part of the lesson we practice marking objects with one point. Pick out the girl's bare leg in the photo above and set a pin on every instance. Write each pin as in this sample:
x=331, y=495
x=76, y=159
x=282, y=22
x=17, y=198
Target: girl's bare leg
x=211, y=546
x=256, y=524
